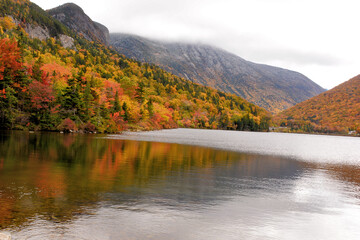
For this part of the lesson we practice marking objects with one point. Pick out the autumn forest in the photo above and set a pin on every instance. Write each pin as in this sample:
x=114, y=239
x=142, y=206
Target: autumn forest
x=86, y=86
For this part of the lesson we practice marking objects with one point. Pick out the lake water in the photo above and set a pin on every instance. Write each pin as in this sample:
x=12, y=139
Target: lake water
x=179, y=184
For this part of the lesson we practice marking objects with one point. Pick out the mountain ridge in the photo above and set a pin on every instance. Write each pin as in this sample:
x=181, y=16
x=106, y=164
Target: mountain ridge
x=270, y=87
x=74, y=17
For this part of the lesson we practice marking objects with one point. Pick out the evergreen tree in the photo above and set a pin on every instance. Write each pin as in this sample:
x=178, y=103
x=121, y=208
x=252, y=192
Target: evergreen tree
x=72, y=100
x=36, y=71
x=126, y=113
x=140, y=92
x=116, y=106
x=150, y=107
x=87, y=99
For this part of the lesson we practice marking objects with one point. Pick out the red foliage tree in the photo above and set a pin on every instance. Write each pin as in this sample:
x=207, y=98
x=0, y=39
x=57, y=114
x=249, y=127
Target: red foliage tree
x=67, y=125
x=9, y=58
x=41, y=94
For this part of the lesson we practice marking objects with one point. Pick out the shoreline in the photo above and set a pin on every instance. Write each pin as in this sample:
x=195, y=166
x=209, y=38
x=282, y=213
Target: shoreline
x=152, y=130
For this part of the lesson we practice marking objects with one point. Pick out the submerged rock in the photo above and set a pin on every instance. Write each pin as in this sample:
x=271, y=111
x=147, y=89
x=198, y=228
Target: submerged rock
x=5, y=236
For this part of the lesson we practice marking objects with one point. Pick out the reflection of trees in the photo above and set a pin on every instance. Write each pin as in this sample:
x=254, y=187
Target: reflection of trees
x=58, y=177
x=346, y=174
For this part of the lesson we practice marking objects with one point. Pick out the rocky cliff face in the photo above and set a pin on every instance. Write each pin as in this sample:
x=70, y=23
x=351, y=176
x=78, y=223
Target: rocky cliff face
x=105, y=32
x=272, y=88
x=37, y=32
x=74, y=18
x=42, y=33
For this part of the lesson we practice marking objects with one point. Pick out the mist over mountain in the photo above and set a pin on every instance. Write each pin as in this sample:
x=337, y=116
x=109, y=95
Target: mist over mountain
x=272, y=88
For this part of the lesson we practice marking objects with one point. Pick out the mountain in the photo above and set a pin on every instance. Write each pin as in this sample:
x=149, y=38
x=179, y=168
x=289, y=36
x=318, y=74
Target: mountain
x=34, y=20
x=47, y=83
x=272, y=88
x=75, y=18
x=334, y=111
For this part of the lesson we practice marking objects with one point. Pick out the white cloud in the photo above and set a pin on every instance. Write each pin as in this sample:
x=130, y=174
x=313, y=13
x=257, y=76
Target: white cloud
x=317, y=38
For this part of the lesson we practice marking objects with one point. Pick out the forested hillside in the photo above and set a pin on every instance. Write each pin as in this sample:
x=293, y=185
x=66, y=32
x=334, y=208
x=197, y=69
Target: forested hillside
x=81, y=85
x=334, y=111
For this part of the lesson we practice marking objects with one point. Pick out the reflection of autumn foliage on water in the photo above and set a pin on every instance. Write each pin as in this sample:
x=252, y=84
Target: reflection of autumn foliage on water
x=68, y=140
x=131, y=162
x=49, y=183
x=59, y=177
x=111, y=162
x=6, y=206
x=350, y=174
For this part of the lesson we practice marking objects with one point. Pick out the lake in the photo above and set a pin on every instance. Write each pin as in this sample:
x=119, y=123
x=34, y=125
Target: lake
x=179, y=184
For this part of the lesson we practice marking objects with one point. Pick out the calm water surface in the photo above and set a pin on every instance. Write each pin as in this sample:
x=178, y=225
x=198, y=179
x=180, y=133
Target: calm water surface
x=171, y=185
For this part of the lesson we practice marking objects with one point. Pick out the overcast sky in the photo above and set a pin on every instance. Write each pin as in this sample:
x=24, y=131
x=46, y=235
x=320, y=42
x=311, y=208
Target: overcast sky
x=319, y=38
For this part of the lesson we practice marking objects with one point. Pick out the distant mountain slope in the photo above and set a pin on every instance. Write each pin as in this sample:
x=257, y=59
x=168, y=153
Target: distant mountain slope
x=337, y=110
x=272, y=88
x=74, y=18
